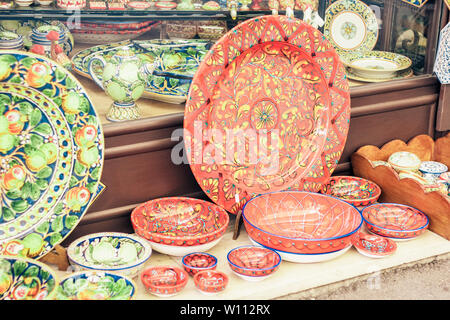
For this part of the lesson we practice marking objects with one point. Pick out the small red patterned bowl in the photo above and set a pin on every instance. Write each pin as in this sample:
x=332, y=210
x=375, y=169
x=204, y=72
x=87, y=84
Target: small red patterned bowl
x=301, y=222
x=198, y=261
x=395, y=221
x=374, y=246
x=357, y=191
x=178, y=225
x=253, y=263
x=164, y=281
x=210, y=282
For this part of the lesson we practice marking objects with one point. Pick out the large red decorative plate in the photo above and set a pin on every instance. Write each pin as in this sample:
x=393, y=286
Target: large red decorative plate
x=275, y=87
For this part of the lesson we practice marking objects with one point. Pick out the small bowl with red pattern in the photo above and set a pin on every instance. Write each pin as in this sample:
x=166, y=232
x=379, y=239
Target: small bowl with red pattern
x=395, y=221
x=374, y=246
x=164, y=281
x=178, y=225
x=253, y=263
x=198, y=261
x=357, y=191
x=210, y=282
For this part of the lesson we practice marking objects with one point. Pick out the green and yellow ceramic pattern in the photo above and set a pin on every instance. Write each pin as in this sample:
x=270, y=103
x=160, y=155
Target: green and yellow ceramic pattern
x=51, y=151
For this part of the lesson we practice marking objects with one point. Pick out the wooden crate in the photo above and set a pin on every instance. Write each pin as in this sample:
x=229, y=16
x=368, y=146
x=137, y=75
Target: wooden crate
x=408, y=191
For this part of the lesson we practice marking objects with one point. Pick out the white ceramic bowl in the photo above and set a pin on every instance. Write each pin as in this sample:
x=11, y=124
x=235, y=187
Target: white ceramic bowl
x=180, y=251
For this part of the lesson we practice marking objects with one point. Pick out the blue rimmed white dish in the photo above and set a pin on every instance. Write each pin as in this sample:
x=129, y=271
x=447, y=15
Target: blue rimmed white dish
x=433, y=168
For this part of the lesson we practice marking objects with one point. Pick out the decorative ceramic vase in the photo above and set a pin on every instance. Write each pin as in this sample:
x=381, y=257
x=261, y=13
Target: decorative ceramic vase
x=123, y=79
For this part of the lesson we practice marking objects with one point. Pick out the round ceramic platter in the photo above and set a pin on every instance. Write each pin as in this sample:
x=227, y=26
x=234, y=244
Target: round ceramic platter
x=51, y=150
x=375, y=64
x=182, y=62
x=398, y=76
x=351, y=25
x=281, y=80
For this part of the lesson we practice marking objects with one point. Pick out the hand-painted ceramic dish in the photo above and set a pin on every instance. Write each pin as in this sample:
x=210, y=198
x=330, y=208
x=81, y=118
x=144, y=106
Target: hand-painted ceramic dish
x=433, y=167
x=351, y=25
x=176, y=63
x=253, y=263
x=375, y=64
x=306, y=257
x=198, y=261
x=178, y=226
x=51, y=150
x=374, y=246
x=96, y=285
x=440, y=67
x=445, y=177
x=301, y=222
x=408, y=73
x=357, y=191
x=395, y=221
x=250, y=83
x=413, y=175
x=211, y=282
x=26, y=279
x=110, y=251
x=404, y=161
x=165, y=5
x=164, y=281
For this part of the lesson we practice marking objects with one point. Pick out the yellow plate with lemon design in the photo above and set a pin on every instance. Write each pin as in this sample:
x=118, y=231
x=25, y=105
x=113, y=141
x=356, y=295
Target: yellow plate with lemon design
x=51, y=154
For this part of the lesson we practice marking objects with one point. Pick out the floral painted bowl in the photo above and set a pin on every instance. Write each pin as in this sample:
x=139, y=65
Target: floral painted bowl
x=374, y=246
x=395, y=221
x=211, y=282
x=433, y=168
x=110, y=251
x=26, y=279
x=357, y=191
x=164, y=281
x=96, y=285
x=301, y=222
x=404, y=161
x=198, y=261
x=253, y=263
x=178, y=225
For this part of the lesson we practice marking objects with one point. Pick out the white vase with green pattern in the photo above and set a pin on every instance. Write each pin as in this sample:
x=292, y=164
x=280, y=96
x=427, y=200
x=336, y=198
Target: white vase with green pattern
x=124, y=80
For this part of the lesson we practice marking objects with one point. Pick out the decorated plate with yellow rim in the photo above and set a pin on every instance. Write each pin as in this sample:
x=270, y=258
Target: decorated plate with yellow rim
x=351, y=25
x=375, y=64
x=51, y=151
x=397, y=76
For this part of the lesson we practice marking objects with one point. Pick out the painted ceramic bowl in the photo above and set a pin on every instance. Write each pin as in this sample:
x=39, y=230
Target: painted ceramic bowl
x=433, y=168
x=413, y=175
x=181, y=29
x=211, y=282
x=374, y=246
x=357, y=191
x=198, y=261
x=307, y=257
x=110, y=251
x=404, y=161
x=445, y=177
x=211, y=32
x=301, y=222
x=26, y=279
x=375, y=64
x=395, y=221
x=178, y=225
x=24, y=3
x=96, y=285
x=164, y=281
x=253, y=263
x=165, y=5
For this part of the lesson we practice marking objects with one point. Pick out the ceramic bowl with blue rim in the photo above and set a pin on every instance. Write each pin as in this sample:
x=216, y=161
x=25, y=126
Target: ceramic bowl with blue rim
x=113, y=252
x=95, y=285
x=433, y=168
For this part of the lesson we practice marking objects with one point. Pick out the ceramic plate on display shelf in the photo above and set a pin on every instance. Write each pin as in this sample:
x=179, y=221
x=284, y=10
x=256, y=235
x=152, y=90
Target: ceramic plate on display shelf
x=51, y=150
x=351, y=25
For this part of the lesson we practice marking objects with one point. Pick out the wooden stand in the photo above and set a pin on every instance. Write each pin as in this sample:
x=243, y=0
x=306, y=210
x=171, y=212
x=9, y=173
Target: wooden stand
x=408, y=191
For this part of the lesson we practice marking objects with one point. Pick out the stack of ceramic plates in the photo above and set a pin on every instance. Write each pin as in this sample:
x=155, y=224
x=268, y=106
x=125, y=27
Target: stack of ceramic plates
x=39, y=37
x=10, y=40
x=352, y=28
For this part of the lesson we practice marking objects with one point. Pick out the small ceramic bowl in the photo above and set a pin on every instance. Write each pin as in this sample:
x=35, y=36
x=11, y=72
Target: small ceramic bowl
x=166, y=5
x=445, y=178
x=253, y=263
x=26, y=279
x=433, y=168
x=395, y=221
x=404, y=161
x=357, y=191
x=374, y=246
x=164, y=281
x=110, y=252
x=211, y=282
x=198, y=261
x=96, y=285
